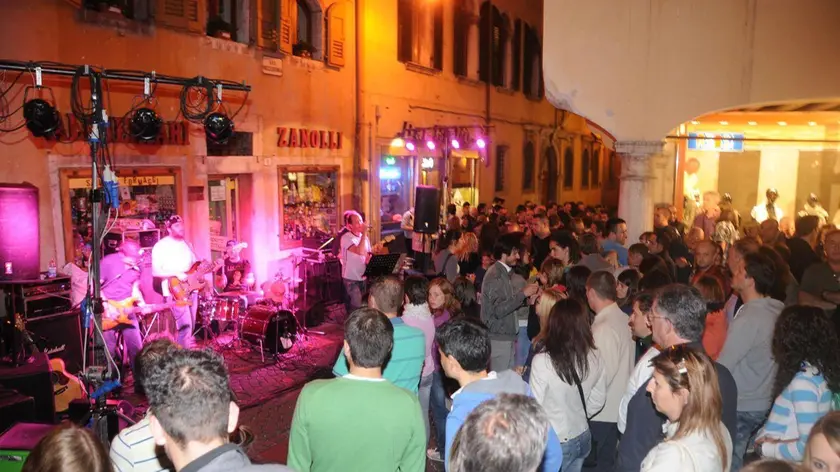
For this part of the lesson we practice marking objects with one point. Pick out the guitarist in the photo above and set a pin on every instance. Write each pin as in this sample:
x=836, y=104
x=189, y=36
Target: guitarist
x=120, y=281
x=172, y=256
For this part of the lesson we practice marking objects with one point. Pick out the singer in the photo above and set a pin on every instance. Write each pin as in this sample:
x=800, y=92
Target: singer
x=120, y=283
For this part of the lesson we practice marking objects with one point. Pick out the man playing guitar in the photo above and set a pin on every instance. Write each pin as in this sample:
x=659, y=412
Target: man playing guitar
x=121, y=281
x=172, y=256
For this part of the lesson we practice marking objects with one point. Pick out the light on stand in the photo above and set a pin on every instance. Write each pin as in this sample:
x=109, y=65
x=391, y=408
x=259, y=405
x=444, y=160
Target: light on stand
x=431, y=145
x=41, y=118
x=456, y=144
x=218, y=127
x=145, y=124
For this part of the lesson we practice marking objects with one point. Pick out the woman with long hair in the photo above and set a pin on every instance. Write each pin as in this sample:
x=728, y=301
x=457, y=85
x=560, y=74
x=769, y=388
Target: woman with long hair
x=444, y=305
x=714, y=336
x=446, y=263
x=546, y=301
x=467, y=253
x=685, y=389
x=822, y=453
x=575, y=282
x=465, y=294
x=805, y=349
x=626, y=287
x=568, y=379
x=68, y=448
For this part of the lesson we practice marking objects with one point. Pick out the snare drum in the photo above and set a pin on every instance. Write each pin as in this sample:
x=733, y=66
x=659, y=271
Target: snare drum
x=225, y=308
x=275, y=330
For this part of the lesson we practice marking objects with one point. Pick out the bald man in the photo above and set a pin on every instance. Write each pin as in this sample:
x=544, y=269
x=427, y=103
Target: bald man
x=120, y=277
x=707, y=261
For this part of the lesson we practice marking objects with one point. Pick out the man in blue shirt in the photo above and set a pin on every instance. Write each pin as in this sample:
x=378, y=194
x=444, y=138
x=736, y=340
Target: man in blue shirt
x=615, y=237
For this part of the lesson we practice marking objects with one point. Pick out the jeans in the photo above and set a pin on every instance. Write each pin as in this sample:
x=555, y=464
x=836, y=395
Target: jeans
x=523, y=344
x=424, y=395
x=748, y=424
x=501, y=355
x=185, y=321
x=437, y=403
x=575, y=451
x=353, y=290
x=606, y=437
x=131, y=338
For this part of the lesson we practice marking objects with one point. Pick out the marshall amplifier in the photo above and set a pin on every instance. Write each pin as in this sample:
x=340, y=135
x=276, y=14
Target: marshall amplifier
x=59, y=336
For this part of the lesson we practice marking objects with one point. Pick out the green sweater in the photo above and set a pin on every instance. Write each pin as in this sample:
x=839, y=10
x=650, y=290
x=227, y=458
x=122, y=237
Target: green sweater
x=357, y=425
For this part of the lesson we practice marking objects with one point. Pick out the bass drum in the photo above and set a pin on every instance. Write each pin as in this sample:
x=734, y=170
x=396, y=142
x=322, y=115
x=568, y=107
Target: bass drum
x=275, y=330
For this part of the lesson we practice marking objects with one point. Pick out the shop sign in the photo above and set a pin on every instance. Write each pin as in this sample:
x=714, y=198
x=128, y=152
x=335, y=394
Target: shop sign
x=464, y=134
x=172, y=133
x=305, y=138
x=725, y=142
x=130, y=181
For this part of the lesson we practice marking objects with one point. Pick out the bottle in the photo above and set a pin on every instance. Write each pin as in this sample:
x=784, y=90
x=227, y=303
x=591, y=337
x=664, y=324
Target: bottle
x=53, y=269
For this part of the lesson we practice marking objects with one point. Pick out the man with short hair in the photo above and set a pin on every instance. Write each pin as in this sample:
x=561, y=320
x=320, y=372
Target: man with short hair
x=615, y=344
x=406, y=363
x=615, y=237
x=711, y=211
x=464, y=347
x=360, y=421
x=820, y=286
x=636, y=253
x=121, y=289
x=133, y=450
x=505, y=434
x=707, y=262
x=354, y=253
x=802, y=246
x=540, y=239
x=678, y=316
x=500, y=301
x=747, y=351
x=192, y=413
x=591, y=257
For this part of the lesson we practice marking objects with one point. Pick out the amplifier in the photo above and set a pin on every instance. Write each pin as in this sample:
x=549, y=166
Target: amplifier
x=38, y=298
x=145, y=238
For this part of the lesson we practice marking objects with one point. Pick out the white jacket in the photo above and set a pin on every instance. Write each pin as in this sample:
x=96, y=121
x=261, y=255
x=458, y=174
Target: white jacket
x=696, y=452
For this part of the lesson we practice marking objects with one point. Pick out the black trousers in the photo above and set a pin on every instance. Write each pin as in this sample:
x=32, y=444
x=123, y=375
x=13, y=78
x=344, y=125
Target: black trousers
x=605, y=435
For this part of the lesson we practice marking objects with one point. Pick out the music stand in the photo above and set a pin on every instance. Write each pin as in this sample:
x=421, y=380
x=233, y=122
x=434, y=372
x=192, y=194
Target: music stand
x=384, y=264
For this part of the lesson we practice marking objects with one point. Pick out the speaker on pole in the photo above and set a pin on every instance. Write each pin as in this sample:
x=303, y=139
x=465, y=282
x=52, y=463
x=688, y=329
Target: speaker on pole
x=20, y=242
x=426, y=209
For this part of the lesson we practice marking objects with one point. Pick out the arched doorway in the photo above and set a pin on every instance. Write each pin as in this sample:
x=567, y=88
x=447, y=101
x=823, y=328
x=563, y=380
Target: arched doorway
x=550, y=163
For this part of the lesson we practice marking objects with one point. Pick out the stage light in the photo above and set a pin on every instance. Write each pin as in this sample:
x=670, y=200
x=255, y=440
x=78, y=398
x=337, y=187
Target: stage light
x=430, y=145
x=456, y=144
x=145, y=124
x=42, y=119
x=410, y=146
x=481, y=143
x=218, y=127
x=398, y=142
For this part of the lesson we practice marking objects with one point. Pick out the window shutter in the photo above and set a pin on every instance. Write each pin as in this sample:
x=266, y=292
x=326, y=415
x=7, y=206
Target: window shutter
x=438, y=35
x=459, y=43
x=517, y=55
x=267, y=24
x=288, y=8
x=485, y=42
x=404, y=32
x=336, y=34
x=182, y=14
x=528, y=70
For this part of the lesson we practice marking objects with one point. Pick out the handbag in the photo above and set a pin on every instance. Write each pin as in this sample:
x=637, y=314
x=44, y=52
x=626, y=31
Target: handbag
x=592, y=459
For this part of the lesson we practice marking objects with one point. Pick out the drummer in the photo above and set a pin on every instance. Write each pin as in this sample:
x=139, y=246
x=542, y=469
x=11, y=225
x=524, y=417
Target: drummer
x=232, y=276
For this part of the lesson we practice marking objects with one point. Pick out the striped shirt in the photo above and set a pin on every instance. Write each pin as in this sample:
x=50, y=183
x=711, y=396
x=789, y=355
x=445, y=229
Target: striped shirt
x=804, y=401
x=134, y=450
x=406, y=363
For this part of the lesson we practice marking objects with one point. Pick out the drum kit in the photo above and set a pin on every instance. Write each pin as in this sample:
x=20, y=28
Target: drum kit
x=263, y=319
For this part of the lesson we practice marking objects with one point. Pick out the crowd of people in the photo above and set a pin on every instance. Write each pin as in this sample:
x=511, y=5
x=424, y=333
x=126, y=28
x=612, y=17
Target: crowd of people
x=552, y=343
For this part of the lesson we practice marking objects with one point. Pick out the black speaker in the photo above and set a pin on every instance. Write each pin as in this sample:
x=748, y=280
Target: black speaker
x=60, y=336
x=426, y=209
x=33, y=379
x=20, y=243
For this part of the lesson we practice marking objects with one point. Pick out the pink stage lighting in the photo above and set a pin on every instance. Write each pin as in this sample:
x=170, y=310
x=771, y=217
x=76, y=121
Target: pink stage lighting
x=456, y=144
x=431, y=145
x=480, y=143
x=409, y=145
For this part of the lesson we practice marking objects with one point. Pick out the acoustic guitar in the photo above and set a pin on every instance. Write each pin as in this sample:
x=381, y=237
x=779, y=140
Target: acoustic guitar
x=122, y=312
x=66, y=387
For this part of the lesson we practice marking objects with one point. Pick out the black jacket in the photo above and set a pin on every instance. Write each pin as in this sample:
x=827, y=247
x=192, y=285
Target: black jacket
x=644, y=423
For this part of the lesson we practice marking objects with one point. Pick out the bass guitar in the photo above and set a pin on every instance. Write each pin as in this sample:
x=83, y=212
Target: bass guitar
x=181, y=289
x=122, y=312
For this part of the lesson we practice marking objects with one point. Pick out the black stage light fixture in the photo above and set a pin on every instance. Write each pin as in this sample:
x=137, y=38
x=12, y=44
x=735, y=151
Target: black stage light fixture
x=145, y=124
x=218, y=127
x=42, y=119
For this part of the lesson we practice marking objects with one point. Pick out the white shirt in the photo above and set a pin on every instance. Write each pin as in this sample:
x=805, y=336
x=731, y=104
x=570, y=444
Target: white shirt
x=78, y=282
x=408, y=222
x=171, y=257
x=561, y=401
x=696, y=452
x=760, y=214
x=615, y=343
x=134, y=450
x=641, y=375
x=353, y=265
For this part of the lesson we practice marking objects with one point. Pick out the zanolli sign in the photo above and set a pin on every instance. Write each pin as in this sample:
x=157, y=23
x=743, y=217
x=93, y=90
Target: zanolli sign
x=308, y=138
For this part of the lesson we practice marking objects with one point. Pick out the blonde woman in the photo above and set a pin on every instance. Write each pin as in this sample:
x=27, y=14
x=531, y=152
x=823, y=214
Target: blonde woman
x=685, y=389
x=467, y=253
x=822, y=452
x=543, y=306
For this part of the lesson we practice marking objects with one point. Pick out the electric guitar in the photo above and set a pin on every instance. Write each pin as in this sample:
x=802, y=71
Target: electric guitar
x=181, y=289
x=379, y=247
x=122, y=312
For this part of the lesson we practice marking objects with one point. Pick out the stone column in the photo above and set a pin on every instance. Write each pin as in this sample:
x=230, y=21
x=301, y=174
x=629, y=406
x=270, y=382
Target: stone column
x=635, y=200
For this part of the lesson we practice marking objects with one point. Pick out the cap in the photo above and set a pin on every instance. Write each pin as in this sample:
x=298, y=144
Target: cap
x=174, y=219
x=230, y=243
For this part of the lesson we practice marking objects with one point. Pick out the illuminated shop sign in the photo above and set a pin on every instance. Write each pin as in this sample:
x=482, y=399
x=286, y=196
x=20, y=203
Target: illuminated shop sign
x=726, y=142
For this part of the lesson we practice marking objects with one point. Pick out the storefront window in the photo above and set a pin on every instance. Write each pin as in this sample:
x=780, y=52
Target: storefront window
x=147, y=199
x=464, y=188
x=396, y=177
x=310, y=208
x=224, y=213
